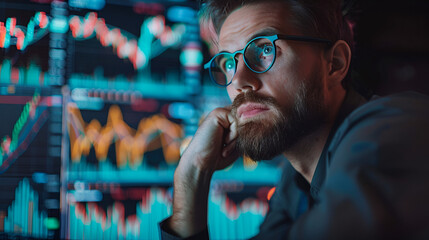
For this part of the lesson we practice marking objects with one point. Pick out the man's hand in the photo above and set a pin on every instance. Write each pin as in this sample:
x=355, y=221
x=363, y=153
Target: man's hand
x=212, y=148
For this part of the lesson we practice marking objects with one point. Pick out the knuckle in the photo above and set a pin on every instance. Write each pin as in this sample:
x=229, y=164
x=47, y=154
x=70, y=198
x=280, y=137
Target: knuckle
x=217, y=113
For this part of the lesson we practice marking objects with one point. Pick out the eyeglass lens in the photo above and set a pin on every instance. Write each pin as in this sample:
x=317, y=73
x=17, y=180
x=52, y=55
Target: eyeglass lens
x=259, y=56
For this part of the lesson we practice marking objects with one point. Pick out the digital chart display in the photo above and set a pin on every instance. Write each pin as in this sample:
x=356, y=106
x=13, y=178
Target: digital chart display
x=30, y=162
x=98, y=100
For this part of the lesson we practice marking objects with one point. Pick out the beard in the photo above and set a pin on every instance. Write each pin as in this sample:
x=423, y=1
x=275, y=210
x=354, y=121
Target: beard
x=265, y=138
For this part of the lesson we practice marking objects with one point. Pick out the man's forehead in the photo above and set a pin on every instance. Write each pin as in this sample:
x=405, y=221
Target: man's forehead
x=249, y=21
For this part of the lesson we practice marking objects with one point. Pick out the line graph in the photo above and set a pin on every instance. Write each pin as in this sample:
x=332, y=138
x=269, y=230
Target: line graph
x=155, y=132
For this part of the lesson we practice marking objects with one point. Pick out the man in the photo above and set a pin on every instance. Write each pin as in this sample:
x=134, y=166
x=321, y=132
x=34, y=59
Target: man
x=357, y=169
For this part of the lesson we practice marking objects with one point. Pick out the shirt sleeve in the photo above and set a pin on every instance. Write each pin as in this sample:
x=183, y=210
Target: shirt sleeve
x=377, y=184
x=166, y=234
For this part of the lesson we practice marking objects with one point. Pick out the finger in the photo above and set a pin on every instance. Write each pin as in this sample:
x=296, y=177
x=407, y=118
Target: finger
x=232, y=134
x=232, y=155
x=228, y=149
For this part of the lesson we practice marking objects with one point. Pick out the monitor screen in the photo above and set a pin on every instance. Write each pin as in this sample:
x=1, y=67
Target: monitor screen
x=102, y=97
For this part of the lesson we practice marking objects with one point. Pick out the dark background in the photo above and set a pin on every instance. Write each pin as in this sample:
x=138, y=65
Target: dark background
x=392, y=45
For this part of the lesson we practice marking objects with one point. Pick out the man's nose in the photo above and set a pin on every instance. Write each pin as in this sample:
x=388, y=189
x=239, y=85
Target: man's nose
x=245, y=79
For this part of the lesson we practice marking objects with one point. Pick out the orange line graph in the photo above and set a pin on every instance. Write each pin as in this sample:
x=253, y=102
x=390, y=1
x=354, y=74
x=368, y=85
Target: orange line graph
x=130, y=144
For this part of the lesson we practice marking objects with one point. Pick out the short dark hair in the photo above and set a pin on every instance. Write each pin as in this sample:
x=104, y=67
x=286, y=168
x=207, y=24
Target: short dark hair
x=316, y=18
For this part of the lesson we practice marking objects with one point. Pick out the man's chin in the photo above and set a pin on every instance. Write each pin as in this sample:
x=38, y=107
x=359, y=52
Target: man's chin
x=259, y=140
x=258, y=157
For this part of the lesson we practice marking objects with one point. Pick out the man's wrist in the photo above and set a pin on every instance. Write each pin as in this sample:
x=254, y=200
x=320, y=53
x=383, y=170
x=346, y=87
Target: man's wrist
x=190, y=171
x=191, y=189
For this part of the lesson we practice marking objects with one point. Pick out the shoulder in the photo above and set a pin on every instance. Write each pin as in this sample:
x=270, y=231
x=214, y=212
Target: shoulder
x=377, y=175
x=406, y=104
x=384, y=127
x=405, y=101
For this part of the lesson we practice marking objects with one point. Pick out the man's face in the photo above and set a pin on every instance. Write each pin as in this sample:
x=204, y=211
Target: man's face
x=275, y=109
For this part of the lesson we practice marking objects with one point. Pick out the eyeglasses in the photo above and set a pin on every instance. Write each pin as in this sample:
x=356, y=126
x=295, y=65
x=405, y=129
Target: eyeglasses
x=259, y=55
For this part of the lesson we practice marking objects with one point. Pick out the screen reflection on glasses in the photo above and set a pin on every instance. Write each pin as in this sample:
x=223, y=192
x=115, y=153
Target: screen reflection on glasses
x=259, y=55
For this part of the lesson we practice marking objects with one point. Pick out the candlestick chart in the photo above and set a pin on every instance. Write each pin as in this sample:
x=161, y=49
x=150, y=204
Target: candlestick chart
x=128, y=47
x=30, y=162
x=23, y=215
x=31, y=120
x=135, y=212
x=155, y=37
x=141, y=48
x=22, y=36
x=24, y=46
x=98, y=101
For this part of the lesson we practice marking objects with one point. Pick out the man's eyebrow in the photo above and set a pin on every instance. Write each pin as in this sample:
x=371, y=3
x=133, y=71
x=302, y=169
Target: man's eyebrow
x=263, y=32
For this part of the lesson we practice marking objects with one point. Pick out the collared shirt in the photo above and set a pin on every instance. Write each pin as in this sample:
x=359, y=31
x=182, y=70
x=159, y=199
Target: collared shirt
x=371, y=181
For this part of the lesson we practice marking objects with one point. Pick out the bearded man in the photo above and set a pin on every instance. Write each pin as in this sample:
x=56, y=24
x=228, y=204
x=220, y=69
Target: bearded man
x=357, y=169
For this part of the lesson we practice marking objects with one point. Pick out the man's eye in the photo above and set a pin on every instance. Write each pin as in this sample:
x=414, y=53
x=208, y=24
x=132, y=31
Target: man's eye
x=229, y=65
x=268, y=49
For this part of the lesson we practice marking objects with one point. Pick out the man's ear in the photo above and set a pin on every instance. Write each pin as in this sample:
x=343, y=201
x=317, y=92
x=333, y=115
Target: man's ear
x=339, y=57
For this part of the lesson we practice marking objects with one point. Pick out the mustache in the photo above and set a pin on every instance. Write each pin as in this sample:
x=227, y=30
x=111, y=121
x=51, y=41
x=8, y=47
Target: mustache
x=251, y=96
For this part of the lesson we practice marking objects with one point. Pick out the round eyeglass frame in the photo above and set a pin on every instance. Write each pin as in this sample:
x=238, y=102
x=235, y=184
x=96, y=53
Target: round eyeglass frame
x=271, y=38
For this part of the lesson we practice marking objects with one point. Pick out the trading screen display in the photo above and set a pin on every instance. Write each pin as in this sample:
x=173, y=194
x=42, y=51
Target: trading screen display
x=98, y=100
x=30, y=161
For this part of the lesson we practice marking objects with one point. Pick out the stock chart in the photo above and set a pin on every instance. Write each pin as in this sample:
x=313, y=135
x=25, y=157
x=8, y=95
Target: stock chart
x=98, y=101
